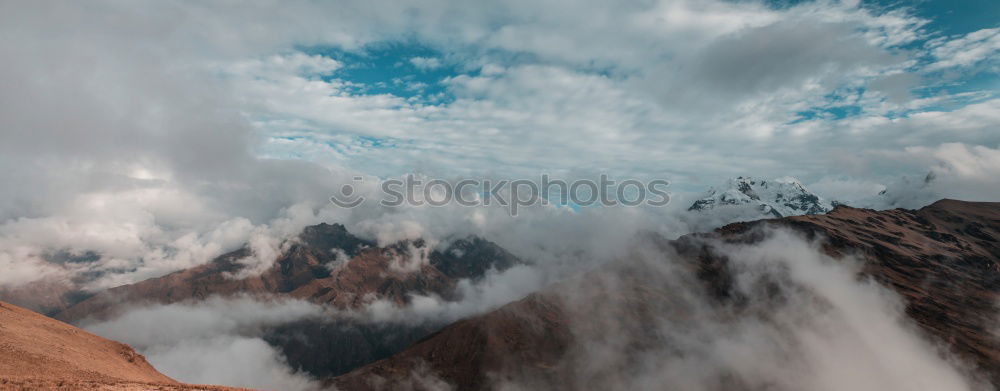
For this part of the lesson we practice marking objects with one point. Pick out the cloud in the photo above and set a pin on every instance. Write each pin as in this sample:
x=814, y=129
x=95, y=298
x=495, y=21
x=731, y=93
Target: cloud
x=161, y=135
x=896, y=87
x=425, y=63
x=962, y=171
x=230, y=361
x=495, y=290
x=807, y=322
x=966, y=50
x=215, y=341
x=846, y=189
x=21, y=267
x=721, y=83
x=864, y=331
x=974, y=163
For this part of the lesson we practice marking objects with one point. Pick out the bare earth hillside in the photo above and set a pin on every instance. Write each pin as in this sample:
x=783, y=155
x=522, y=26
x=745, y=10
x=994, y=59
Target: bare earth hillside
x=40, y=353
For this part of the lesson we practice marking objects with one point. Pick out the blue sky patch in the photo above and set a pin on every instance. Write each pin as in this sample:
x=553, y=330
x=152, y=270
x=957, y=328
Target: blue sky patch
x=403, y=69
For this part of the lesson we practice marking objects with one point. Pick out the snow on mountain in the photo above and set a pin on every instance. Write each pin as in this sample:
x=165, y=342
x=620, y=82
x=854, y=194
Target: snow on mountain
x=777, y=197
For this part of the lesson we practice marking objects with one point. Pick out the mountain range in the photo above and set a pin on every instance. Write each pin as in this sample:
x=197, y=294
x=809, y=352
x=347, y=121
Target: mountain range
x=942, y=260
x=633, y=319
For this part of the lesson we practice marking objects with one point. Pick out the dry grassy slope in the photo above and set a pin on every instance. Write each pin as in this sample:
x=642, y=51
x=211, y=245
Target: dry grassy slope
x=36, y=346
x=30, y=384
x=40, y=353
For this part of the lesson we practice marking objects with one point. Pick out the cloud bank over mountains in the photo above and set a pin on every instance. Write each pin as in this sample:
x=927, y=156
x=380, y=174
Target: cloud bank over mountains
x=160, y=135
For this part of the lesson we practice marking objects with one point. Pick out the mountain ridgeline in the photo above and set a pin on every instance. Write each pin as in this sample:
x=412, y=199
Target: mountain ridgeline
x=667, y=314
x=325, y=265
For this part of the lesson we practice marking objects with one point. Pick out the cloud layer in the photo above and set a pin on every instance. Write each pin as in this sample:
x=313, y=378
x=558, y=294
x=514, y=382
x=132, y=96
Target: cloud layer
x=160, y=135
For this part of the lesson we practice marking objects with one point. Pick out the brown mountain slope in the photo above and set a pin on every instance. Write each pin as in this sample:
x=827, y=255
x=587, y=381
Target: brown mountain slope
x=37, y=352
x=300, y=265
x=942, y=260
x=328, y=266
x=312, y=269
x=32, y=342
x=526, y=338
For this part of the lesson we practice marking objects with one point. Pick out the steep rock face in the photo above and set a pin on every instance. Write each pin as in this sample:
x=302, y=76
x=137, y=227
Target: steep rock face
x=779, y=197
x=942, y=260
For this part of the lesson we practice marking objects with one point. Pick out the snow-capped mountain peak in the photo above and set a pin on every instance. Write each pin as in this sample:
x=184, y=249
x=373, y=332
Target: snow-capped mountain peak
x=778, y=197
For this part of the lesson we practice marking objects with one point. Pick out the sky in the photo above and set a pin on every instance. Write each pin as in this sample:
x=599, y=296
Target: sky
x=161, y=134
x=689, y=91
